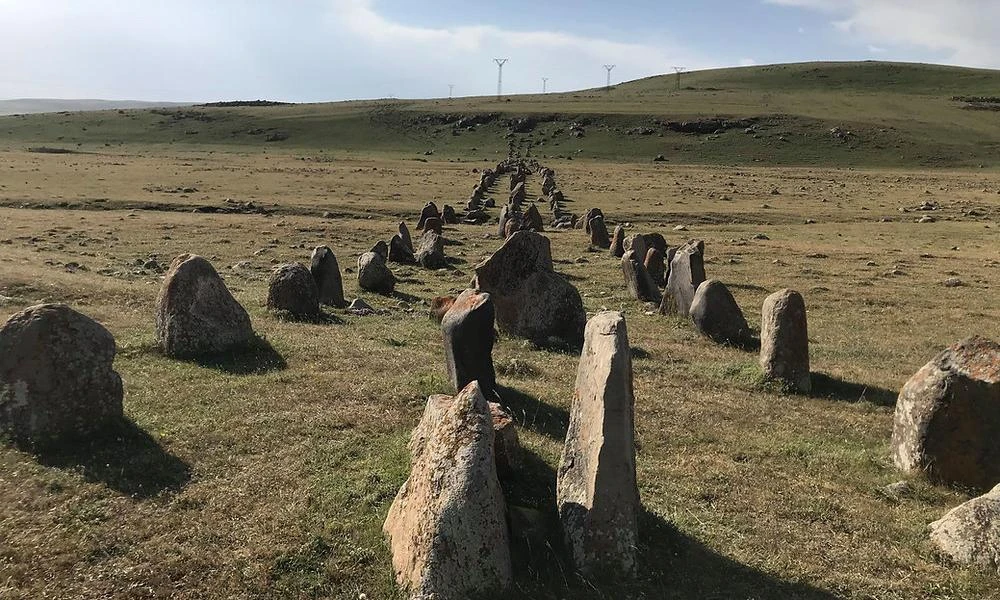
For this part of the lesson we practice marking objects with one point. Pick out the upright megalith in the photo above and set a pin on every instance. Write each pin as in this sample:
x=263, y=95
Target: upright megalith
x=400, y=252
x=970, y=533
x=655, y=267
x=531, y=299
x=404, y=236
x=429, y=211
x=467, y=329
x=784, y=340
x=326, y=273
x=597, y=494
x=533, y=219
x=448, y=215
x=687, y=272
x=196, y=314
x=447, y=526
x=374, y=275
x=599, y=233
x=430, y=250
x=635, y=244
x=618, y=242
x=292, y=290
x=640, y=285
x=57, y=382
x=947, y=419
x=717, y=316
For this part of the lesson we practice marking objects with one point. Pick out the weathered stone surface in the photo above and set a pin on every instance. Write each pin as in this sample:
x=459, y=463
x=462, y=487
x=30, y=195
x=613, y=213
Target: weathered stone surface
x=430, y=250
x=636, y=244
x=56, y=377
x=326, y=273
x=196, y=314
x=374, y=275
x=448, y=215
x=430, y=210
x=433, y=224
x=717, y=316
x=531, y=299
x=533, y=219
x=518, y=194
x=506, y=445
x=640, y=285
x=382, y=249
x=446, y=527
x=655, y=267
x=970, y=533
x=599, y=233
x=784, y=339
x=292, y=289
x=947, y=420
x=589, y=215
x=655, y=240
x=404, y=234
x=502, y=221
x=513, y=224
x=440, y=306
x=687, y=272
x=399, y=252
x=597, y=494
x=618, y=242
x=467, y=329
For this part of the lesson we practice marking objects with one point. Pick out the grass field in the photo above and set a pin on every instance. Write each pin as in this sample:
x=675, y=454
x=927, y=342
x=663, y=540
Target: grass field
x=268, y=475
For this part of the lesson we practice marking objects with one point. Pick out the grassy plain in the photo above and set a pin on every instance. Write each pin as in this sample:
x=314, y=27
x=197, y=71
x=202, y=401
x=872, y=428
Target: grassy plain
x=268, y=475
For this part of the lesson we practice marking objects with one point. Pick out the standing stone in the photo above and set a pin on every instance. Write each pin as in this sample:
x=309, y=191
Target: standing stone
x=533, y=219
x=404, y=234
x=374, y=275
x=518, y=194
x=292, y=289
x=635, y=244
x=717, y=316
x=655, y=240
x=531, y=299
x=687, y=272
x=447, y=526
x=430, y=250
x=557, y=196
x=430, y=210
x=947, y=420
x=597, y=494
x=618, y=242
x=784, y=339
x=326, y=273
x=467, y=329
x=448, y=215
x=970, y=533
x=57, y=382
x=599, y=233
x=434, y=224
x=589, y=215
x=655, y=267
x=502, y=221
x=381, y=248
x=506, y=445
x=640, y=285
x=513, y=224
x=399, y=252
x=196, y=314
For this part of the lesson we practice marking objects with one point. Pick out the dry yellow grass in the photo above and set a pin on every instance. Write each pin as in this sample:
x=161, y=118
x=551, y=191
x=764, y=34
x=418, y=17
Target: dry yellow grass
x=274, y=483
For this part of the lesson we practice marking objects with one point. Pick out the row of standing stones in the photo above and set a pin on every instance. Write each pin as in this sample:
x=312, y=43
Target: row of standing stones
x=57, y=383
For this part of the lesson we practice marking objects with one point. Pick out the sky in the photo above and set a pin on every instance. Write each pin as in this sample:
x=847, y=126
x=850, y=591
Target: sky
x=325, y=50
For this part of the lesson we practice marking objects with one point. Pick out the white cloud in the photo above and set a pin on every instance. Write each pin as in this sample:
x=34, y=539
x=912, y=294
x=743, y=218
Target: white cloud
x=959, y=31
x=747, y=62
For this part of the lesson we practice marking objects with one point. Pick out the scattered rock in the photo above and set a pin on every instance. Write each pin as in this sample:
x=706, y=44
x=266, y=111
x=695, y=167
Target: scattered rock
x=404, y=236
x=361, y=308
x=784, y=339
x=382, y=249
x=947, y=420
x=429, y=211
x=57, y=382
x=597, y=494
x=970, y=533
x=655, y=267
x=953, y=282
x=196, y=314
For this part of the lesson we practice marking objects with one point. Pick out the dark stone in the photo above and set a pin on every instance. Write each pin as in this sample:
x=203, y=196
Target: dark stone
x=533, y=219
x=292, y=289
x=382, y=248
x=655, y=267
x=467, y=329
x=326, y=272
x=599, y=233
x=433, y=224
x=716, y=315
x=399, y=252
x=430, y=210
x=404, y=234
x=374, y=275
x=448, y=215
x=618, y=242
x=430, y=250
x=640, y=285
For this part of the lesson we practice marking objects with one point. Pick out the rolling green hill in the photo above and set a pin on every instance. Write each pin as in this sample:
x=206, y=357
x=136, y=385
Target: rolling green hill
x=837, y=114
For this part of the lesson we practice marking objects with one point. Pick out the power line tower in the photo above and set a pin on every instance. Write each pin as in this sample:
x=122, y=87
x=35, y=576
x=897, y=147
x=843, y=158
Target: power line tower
x=679, y=70
x=608, y=68
x=500, y=63
x=451, y=90
x=545, y=82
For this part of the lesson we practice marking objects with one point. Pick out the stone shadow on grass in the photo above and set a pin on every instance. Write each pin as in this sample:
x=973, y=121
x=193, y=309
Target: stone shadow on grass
x=257, y=358
x=531, y=413
x=829, y=387
x=125, y=458
x=670, y=564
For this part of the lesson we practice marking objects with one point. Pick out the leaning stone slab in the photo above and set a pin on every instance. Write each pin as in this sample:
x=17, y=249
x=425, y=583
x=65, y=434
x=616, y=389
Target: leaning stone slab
x=326, y=272
x=57, y=382
x=970, y=533
x=447, y=526
x=947, y=419
x=717, y=316
x=467, y=329
x=640, y=285
x=196, y=314
x=784, y=339
x=597, y=494
x=687, y=272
